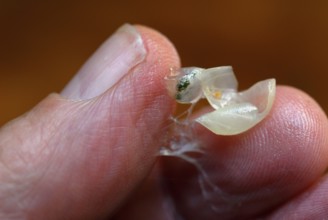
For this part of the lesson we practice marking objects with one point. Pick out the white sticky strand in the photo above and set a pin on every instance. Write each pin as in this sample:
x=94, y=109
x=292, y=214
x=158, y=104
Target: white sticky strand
x=185, y=143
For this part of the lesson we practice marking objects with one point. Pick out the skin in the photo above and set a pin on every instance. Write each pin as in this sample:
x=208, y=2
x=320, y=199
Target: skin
x=93, y=160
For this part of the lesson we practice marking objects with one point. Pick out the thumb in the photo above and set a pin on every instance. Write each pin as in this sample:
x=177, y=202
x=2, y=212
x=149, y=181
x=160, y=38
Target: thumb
x=78, y=155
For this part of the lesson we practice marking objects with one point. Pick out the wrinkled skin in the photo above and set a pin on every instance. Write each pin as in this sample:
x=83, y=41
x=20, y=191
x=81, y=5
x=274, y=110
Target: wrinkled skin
x=96, y=158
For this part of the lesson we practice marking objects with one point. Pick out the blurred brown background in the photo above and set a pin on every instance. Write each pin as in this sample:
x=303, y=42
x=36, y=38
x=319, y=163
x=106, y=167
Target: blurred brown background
x=43, y=43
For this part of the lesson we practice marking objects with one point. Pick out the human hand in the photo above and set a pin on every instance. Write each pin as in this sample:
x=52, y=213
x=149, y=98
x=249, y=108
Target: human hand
x=84, y=154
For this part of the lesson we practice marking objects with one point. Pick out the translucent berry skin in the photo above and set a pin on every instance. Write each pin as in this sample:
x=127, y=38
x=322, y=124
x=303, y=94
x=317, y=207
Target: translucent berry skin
x=234, y=112
x=188, y=86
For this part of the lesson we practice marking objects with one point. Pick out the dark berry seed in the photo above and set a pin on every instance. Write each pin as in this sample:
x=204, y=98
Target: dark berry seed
x=183, y=84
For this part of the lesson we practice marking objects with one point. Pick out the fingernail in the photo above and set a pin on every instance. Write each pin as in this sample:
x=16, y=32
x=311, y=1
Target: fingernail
x=113, y=60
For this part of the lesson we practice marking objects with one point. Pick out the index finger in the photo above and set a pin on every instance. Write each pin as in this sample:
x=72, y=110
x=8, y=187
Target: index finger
x=255, y=172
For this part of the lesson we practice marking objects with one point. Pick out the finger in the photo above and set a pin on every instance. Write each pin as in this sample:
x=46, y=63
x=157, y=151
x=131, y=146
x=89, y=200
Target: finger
x=78, y=156
x=148, y=202
x=310, y=204
x=259, y=170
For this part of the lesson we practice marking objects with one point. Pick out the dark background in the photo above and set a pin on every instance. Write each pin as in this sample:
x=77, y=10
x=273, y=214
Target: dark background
x=43, y=43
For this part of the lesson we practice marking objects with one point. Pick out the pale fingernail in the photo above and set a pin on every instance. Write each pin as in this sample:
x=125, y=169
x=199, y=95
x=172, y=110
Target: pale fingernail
x=112, y=61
